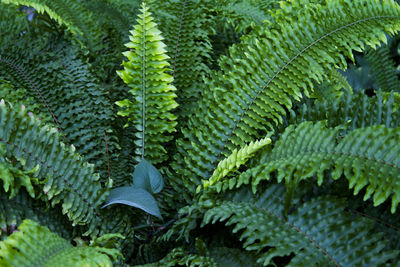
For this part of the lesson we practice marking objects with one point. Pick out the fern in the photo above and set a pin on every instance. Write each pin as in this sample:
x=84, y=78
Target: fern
x=365, y=156
x=22, y=206
x=186, y=26
x=254, y=95
x=306, y=236
x=354, y=110
x=60, y=169
x=383, y=68
x=34, y=245
x=145, y=73
x=62, y=84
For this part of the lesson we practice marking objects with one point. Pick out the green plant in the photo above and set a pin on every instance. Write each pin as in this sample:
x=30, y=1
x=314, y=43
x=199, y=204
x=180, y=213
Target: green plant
x=231, y=135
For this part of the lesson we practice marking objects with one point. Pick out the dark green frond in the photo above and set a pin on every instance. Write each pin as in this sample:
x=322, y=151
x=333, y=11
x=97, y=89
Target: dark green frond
x=72, y=14
x=367, y=157
x=383, y=68
x=250, y=94
x=307, y=233
x=35, y=245
x=63, y=173
x=61, y=83
x=186, y=26
x=152, y=94
x=22, y=206
x=355, y=110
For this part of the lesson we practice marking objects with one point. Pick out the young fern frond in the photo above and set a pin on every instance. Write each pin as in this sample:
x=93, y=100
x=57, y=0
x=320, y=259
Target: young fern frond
x=35, y=245
x=234, y=161
x=145, y=73
x=249, y=96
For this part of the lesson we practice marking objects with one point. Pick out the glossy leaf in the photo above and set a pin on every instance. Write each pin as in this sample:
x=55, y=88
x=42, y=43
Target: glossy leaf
x=135, y=197
x=147, y=177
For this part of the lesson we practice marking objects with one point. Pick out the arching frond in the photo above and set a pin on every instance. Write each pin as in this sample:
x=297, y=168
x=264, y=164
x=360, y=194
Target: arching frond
x=367, y=157
x=355, y=110
x=250, y=94
x=14, y=210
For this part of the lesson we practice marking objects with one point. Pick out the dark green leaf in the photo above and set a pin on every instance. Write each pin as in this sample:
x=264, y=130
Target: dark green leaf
x=147, y=177
x=135, y=197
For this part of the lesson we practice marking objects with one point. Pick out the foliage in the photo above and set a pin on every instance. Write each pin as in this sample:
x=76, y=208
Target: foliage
x=235, y=133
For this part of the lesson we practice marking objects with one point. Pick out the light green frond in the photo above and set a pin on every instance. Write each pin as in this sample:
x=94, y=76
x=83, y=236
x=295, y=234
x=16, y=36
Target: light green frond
x=269, y=69
x=149, y=109
x=367, y=157
x=35, y=245
x=234, y=161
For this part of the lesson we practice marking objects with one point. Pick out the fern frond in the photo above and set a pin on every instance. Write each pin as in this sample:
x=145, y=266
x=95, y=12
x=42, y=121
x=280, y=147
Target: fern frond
x=61, y=83
x=65, y=177
x=249, y=96
x=35, y=245
x=307, y=233
x=186, y=26
x=355, y=110
x=76, y=18
x=19, y=97
x=234, y=161
x=383, y=68
x=367, y=157
x=151, y=88
x=22, y=206
x=245, y=14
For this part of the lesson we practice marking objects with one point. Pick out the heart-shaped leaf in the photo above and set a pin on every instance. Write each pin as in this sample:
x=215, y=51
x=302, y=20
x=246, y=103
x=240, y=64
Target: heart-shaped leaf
x=135, y=197
x=147, y=177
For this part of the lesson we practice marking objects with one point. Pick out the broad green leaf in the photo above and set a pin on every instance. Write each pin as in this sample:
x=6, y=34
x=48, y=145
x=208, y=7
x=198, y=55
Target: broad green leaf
x=147, y=177
x=135, y=197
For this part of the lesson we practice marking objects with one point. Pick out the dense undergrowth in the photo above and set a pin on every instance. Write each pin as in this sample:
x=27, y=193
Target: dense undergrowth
x=199, y=133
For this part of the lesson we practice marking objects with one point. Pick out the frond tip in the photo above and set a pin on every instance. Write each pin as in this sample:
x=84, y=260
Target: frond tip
x=234, y=161
x=151, y=88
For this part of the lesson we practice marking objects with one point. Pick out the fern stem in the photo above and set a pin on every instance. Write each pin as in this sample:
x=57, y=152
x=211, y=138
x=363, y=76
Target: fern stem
x=38, y=92
x=108, y=158
x=178, y=39
x=144, y=80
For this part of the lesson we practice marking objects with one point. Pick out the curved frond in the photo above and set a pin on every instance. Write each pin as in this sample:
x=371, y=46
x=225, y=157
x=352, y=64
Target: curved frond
x=367, y=157
x=63, y=173
x=22, y=206
x=250, y=95
x=35, y=245
x=72, y=14
x=355, y=110
x=382, y=67
x=234, y=161
x=306, y=233
x=153, y=94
